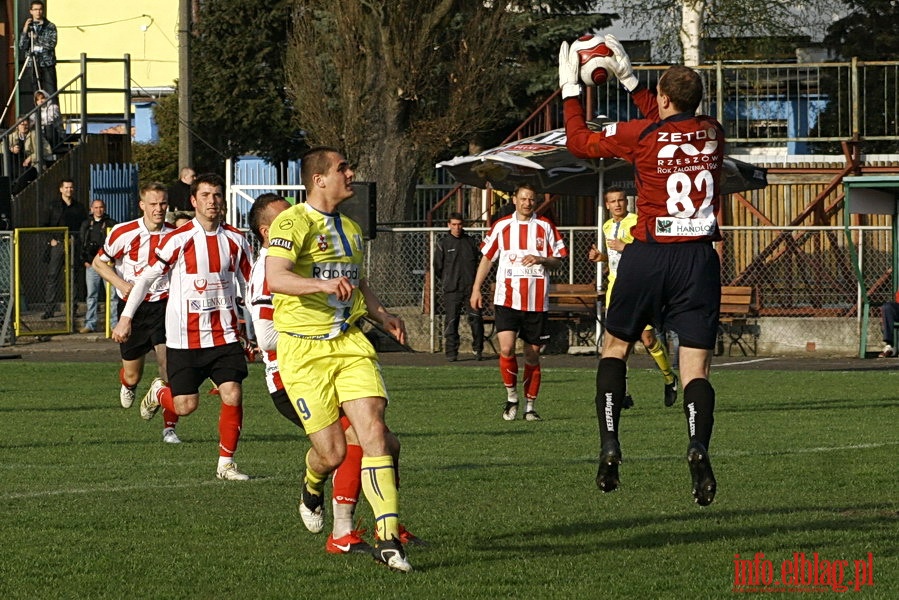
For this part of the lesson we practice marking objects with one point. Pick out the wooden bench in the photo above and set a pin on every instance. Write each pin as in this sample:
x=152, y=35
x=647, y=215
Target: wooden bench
x=738, y=319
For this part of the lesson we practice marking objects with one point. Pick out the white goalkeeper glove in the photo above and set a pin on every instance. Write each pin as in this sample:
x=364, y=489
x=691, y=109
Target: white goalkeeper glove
x=621, y=68
x=568, y=72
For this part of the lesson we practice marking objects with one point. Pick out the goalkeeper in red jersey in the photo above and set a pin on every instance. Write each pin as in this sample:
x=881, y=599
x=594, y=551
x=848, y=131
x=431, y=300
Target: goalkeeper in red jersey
x=670, y=275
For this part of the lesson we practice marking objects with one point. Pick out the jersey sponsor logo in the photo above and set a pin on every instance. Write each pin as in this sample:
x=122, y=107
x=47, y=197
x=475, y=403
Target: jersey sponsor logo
x=281, y=243
x=208, y=304
x=522, y=271
x=683, y=141
x=672, y=227
x=322, y=243
x=335, y=271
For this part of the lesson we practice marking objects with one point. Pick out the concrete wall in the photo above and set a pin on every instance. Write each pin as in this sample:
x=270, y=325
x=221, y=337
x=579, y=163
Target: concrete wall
x=777, y=336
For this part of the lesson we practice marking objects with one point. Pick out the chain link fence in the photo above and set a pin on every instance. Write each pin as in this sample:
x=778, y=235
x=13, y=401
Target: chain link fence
x=7, y=328
x=805, y=279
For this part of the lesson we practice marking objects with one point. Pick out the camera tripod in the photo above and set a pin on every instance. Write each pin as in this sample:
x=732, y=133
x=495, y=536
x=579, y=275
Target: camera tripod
x=29, y=61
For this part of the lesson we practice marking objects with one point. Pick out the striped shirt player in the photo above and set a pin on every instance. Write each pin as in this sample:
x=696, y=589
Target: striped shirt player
x=526, y=247
x=670, y=275
x=262, y=312
x=208, y=272
x=208, y=263
x=131, y=248
x=519, y=286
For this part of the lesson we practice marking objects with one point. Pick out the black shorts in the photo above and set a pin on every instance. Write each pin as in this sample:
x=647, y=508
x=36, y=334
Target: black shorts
x=187, y=369
x=147, y=329
x=676, y=287
x=530, y=326
x=285, y=407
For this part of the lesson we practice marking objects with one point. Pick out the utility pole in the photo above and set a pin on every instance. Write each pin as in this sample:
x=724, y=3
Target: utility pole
x=185, y=144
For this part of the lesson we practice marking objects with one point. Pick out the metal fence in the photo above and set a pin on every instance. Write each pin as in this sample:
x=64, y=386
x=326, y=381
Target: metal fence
x=795, y=107
x=808, y=282
x=7, y=329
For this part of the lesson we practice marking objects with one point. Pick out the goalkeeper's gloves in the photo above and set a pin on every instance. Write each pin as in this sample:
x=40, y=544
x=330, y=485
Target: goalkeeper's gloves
x=568, y=72
x=621, y=66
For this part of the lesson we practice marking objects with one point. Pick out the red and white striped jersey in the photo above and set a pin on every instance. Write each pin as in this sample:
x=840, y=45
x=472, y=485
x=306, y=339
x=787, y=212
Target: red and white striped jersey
x=208, y=272
x=132, y=248
x=517, y=286
x=262, y=310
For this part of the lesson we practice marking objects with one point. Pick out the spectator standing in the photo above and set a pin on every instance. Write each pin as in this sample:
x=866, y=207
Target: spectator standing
x=38, y=42
x=179, y=193
x=456, y=260
x=208, y=263
x=670, y=274
x=93, y=235
x=64, y=212
x=526, y=247
x=130, y=248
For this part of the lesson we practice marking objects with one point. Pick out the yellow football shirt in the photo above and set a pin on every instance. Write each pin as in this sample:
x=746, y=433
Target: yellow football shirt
x=321, y=246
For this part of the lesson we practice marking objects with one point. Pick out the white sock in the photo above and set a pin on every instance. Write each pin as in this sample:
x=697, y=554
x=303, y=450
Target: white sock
x=224, y=460
x=512, y=394
x=530, y=405
x=343, y=518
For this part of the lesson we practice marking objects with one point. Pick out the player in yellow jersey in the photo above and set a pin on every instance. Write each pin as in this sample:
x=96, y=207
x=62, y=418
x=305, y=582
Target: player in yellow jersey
x=314, y=269
x=617, y=231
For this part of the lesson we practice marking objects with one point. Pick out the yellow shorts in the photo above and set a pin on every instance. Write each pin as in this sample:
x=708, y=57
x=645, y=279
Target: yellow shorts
x=320, y=375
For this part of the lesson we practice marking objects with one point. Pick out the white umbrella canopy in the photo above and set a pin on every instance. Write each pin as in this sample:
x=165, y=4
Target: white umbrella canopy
x=544, y=161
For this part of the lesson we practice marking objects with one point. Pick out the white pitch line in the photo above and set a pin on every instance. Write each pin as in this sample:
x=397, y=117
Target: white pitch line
x=744, y=362
x=786, y=451
x=102, y=489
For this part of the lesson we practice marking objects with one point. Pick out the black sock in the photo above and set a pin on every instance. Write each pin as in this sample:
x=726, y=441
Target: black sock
x=611, y=383
x=699, y=408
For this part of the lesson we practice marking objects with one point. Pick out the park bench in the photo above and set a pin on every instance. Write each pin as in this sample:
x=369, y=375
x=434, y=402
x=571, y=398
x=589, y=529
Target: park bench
x=738, y=320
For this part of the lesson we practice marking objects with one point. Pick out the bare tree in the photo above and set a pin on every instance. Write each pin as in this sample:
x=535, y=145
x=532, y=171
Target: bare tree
x=395, y=84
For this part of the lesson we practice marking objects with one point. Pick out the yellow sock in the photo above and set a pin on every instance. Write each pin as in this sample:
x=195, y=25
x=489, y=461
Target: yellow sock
x=378, y=484
x=658, y=352
x=315, y=481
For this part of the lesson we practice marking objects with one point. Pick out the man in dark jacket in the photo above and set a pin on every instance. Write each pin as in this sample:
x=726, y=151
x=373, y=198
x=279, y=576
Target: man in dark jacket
x=38, y=43
x=63, y=212
x=456, y=261
x=93, y=234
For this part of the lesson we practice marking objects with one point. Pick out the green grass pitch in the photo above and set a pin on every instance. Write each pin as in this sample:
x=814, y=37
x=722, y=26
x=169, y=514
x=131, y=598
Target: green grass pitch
x=94, y=505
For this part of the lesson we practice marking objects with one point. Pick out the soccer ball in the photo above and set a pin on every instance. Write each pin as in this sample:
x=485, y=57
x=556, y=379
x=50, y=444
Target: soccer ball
x=592, y=55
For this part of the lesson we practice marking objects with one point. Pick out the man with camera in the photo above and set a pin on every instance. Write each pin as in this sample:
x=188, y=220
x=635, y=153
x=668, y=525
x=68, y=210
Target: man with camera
x=38, y=43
